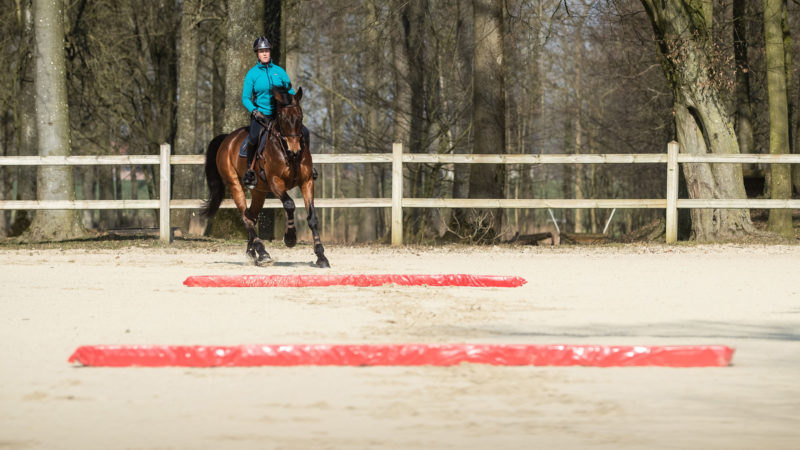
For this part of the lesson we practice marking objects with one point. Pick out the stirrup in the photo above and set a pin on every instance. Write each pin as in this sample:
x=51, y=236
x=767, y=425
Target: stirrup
x=249, y=180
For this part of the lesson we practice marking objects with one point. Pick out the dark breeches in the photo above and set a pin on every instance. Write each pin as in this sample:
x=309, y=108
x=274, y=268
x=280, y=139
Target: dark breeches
x=306, y=137
x=256, y=127
x=255, y=130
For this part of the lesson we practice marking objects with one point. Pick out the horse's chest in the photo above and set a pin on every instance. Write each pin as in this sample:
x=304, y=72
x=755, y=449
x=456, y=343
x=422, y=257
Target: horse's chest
x=290, y=176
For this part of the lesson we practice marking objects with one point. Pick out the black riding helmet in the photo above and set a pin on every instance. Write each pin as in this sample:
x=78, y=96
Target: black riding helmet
x=261, y=43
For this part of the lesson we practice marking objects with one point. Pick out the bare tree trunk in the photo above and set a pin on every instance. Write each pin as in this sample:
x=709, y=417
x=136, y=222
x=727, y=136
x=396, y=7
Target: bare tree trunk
x=367, y=227
x=488, y=96
x=787, y=63
x=593, y=186
x=268, y=227
x=402, y=90
x=336, y=118
x=780, y=220
x=52, y=113
x=577, y=87
x=218, y=90
x=26, y=120
x=6, y=179
x=708, y=13
x=290, y=45
x=414, y=26
x=287, y=25
x=465, y=42
x=167, y=76
x=744, y=109
x=464, y=46
x=185, y=144
x=703, y=123
x=401, y=123
x=243, y=26
x=88, y=190
x=791, y=87
x=109, y=218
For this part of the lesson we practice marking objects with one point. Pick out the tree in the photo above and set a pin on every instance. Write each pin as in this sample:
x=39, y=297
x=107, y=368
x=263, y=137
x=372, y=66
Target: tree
x=415, y=24
x=404, y=71
x=187, y=108
x=25, y=116
x=792, y=88
x=52, y=114
x=368, y=229
x=702, y=118
x=744, y=109
x=780, y=220
x=464, y=56
x=488, y=116
x=578, y=124
x=243, y=25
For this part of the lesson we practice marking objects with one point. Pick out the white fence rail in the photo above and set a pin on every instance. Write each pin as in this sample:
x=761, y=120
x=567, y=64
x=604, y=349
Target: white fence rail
x=397, y=158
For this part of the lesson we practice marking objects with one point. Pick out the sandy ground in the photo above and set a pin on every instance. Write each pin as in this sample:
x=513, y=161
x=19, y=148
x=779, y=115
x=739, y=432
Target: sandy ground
x=747, y=297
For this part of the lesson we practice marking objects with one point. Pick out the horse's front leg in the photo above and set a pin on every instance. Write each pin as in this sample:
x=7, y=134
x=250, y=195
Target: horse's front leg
x=255, y=248
x=313, y=222
x=290, y=237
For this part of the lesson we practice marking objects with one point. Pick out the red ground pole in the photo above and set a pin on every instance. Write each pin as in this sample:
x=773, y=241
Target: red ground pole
x=364, y=280
x=402, y=355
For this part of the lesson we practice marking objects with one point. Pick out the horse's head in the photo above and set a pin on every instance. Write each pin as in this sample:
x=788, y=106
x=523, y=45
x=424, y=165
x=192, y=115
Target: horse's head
x=289, y=118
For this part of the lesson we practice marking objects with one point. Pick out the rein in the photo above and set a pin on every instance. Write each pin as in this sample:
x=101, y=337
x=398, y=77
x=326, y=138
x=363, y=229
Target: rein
x=282, y=137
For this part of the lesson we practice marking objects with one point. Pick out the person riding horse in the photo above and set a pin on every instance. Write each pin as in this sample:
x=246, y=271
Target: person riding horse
x=257, y=98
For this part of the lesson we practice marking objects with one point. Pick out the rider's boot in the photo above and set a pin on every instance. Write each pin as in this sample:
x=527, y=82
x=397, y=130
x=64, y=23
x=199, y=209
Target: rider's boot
x=249, y=179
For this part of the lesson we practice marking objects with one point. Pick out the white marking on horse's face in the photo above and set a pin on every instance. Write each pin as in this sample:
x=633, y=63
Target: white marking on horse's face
x=293, y=143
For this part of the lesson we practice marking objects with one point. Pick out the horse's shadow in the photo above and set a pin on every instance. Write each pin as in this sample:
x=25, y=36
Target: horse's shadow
x=293, y=264
x=273, y=264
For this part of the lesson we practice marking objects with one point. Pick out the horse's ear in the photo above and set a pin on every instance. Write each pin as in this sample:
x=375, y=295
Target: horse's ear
x=299, y=94
x=278, y=96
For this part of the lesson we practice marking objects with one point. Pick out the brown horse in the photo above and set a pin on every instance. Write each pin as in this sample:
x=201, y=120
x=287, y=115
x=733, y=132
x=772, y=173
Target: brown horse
x=284, y=163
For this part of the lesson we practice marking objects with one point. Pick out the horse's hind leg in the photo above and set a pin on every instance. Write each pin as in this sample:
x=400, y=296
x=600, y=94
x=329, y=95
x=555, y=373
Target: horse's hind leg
x=290, y=237
x=255, y=248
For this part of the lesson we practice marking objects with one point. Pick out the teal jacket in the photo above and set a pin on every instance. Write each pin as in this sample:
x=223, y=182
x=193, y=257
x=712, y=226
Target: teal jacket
x=258, y=84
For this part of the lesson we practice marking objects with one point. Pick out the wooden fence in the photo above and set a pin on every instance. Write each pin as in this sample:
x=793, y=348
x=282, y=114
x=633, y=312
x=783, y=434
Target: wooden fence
x=397, y=158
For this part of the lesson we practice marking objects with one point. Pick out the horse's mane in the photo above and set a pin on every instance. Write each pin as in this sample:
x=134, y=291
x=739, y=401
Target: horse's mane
x=283, y=92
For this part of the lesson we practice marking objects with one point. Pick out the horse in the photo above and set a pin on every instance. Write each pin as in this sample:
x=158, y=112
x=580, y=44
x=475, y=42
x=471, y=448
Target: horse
x=283, y=163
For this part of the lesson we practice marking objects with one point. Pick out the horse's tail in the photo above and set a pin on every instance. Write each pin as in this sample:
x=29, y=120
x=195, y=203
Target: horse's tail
x=216, y=187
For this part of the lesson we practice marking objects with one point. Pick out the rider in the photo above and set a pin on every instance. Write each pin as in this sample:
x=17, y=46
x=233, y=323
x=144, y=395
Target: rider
x=257, y=98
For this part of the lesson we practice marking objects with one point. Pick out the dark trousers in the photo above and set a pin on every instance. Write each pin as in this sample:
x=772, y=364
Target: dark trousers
x=255, y=130
x=256, y=127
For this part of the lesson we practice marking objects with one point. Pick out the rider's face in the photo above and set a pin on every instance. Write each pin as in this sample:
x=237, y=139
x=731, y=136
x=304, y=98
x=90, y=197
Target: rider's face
x=263, y=55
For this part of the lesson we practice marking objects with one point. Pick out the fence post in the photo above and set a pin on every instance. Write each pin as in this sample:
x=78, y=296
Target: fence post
x=672, y=192
x=397, y=194
x=163, y=211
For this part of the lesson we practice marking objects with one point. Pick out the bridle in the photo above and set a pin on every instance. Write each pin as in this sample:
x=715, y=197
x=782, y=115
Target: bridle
x=282, y=137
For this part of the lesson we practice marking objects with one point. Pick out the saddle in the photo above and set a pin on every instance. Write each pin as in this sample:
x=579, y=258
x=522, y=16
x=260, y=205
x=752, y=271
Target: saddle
x=262, y=144
x=259, y=152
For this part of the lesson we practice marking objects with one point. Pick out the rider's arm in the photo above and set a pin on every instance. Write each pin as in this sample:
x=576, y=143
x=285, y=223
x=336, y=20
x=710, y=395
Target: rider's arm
x=247, y=91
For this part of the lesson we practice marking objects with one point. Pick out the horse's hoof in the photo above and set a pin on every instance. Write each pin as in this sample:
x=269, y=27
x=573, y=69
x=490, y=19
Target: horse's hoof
x=290, y=241
x=323, y=263
x=264, y=260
